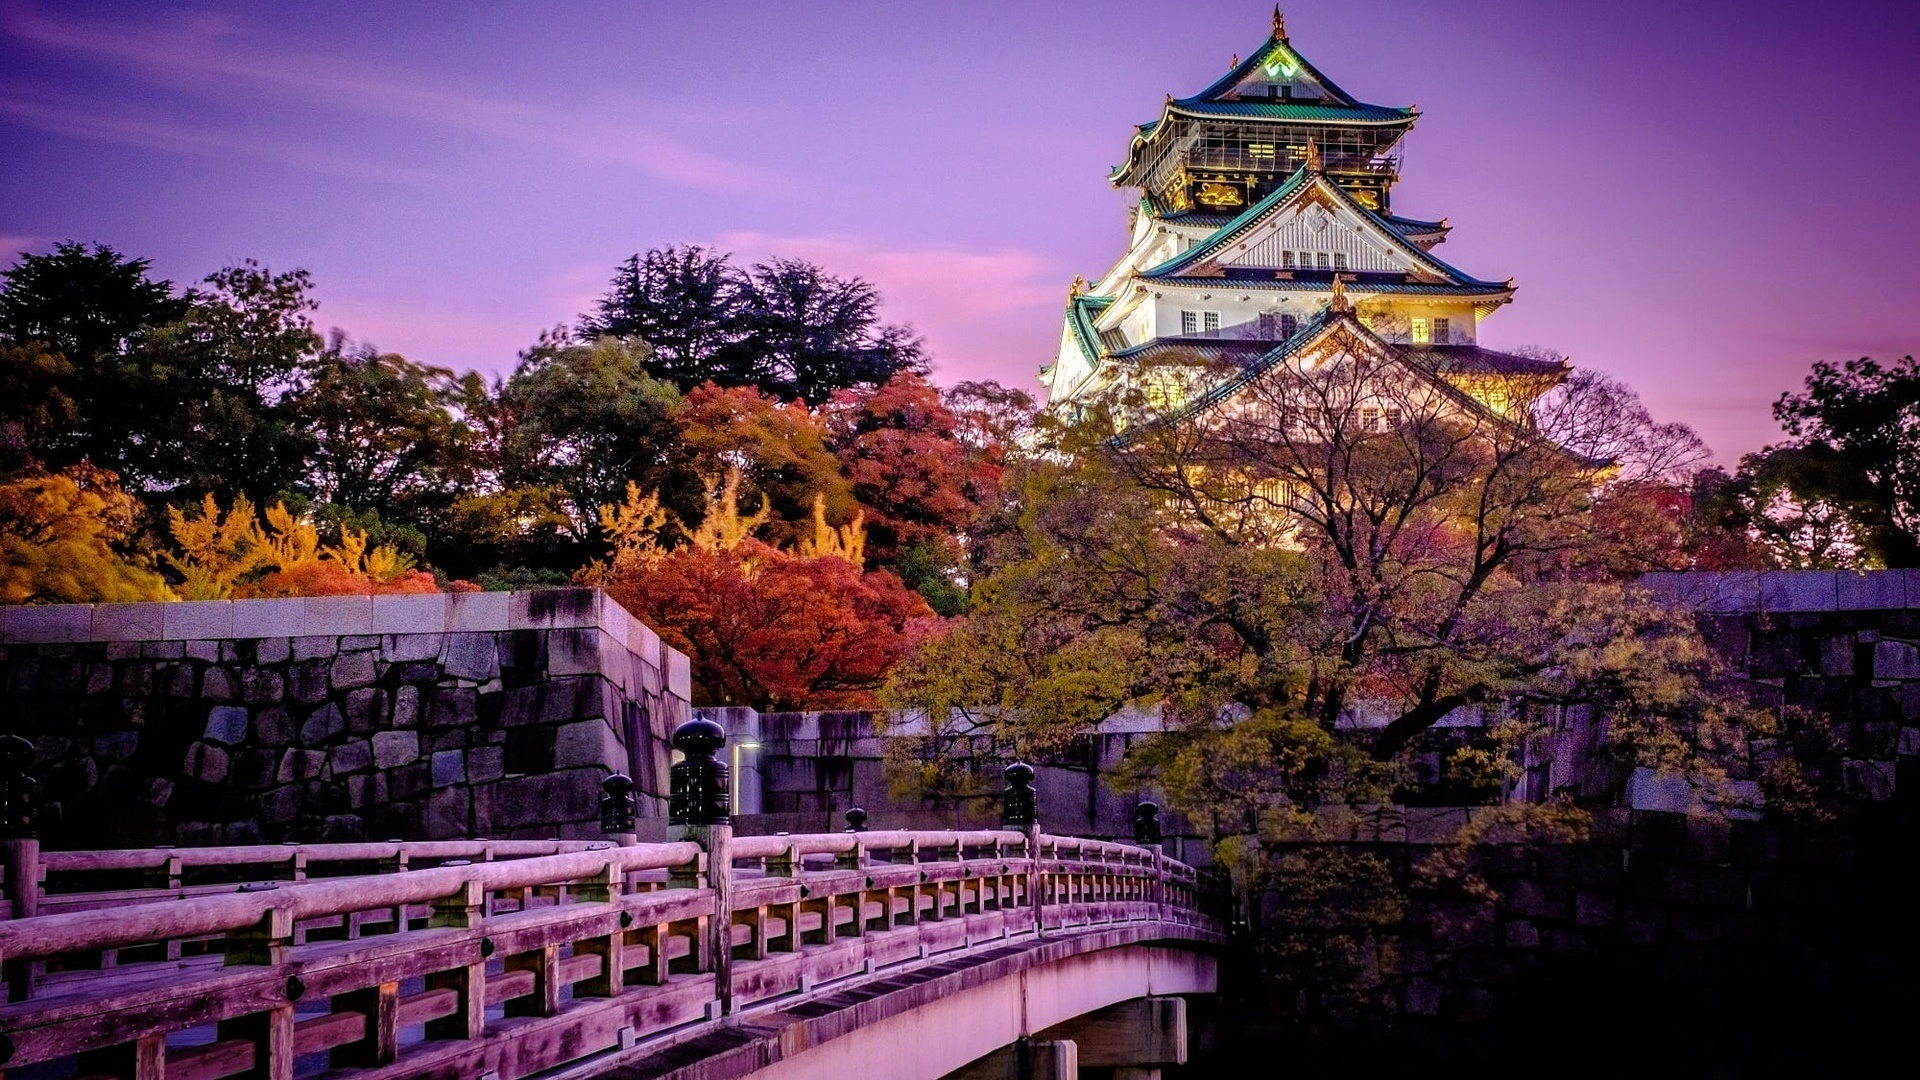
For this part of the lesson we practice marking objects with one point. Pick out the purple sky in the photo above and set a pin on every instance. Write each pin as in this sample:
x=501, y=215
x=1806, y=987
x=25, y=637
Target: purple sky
x=1701, y=198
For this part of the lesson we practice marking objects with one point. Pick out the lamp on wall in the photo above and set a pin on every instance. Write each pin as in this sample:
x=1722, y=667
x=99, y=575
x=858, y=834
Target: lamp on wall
x=743, y=744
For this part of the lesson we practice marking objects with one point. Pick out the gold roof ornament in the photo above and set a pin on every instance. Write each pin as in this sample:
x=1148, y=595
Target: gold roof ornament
x=1339, y=301
x=1313, y=156
x=1079, y=286
x=1279, y=24
x=1233, y=63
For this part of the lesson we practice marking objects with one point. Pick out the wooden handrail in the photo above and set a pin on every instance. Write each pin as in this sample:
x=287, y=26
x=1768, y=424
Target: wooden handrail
x=245, y=972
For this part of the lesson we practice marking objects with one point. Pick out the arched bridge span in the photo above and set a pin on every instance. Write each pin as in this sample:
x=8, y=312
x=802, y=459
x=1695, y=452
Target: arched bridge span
x=711, y=956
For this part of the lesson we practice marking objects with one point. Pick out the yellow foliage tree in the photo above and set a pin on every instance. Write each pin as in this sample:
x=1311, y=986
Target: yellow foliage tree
x=56, y=543
x=723, y=528
x=634, y=529
x=217, y=552
x=847, y=541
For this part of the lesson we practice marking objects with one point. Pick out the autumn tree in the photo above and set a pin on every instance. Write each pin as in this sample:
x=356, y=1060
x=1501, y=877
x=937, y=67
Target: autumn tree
x=904, y=452
x=64, y=540
x=779, y=449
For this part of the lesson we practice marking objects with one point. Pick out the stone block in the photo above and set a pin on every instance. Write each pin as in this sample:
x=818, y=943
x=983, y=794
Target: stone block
x=227, y=725
x=406, y=706
x=116, y=745
x=367, y=789
x=355, y=669
x=1521, y=934
x=1895, y=660
x=1539, y=900
x=366, y=709
x=253, y=769
x=481, y=612
x=277, y=618
x=1836, y=655
x=1871, y=590
x=453, y=706
x=324, y=725
x=205, y=762
x=206, y=620
x=678, y=671
x=589, y=742
x=445, y=816
x=208, y=651
x=299, y=765
x=641, y=640
x=128, y=622
x=410, y=614
x=448, y=768
x=275, y=650
x=273, y=726
x=529, y=749
x=409, y=781
x=474, y=657
x=574, y=651
x=338, y=616
x=544, y=609
x=546, y=799
x=486, y=764
x=321, y=647
x=1869, y=780
x=46, y=622
x=353, y=757
x=307, y=682
x=392, y=749
x=1799, y=590
x=1423, y=997
x=1909, y=742
x=342, y=829
x=404, y=647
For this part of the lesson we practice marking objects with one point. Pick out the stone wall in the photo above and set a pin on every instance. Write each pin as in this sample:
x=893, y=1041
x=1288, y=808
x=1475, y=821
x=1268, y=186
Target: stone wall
x=1666, y=945
x=338, y=718
x=1841, y=643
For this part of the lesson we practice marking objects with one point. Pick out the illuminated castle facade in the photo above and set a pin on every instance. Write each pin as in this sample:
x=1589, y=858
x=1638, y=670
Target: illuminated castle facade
x=1265, y=224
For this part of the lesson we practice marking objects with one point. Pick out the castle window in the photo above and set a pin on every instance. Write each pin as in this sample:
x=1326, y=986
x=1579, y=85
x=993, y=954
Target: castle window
x=1440, y=334
x=1189, y=322
x=1260, y=150
x=1286, y=259
x=1339, y=260
x=1418, y=331
x=1320, y=259
x=1210, y=320
x=1288, y=326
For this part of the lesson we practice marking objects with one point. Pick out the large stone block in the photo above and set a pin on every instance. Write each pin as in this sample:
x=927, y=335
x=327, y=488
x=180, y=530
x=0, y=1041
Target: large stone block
x=1895, y=660
x=406, y=647
x=588, y=742
x=474, y=657
x=279, y=618
x=338, y=616
x=392, y=749
x=323, y=726
x=573, y=651
x=300, y=765
x=227, y=724
x=549, y=798
x=1799, y=590
x=46, y=622
x=1871, y=590
x=205, y=762
x=128, y=622
x=543, y=609
x=206, y=620
x=353, y=757
x=453, y=706
x=355, y=669
x=482, y=612
x=448, y=768
x=410, y=614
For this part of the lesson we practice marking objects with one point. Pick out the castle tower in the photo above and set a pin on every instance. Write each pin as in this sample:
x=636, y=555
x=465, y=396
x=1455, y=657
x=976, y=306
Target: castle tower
x=1261, y=197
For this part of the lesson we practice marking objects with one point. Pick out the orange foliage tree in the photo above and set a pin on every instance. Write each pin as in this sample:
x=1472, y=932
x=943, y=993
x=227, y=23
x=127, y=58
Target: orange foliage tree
x=902, y=449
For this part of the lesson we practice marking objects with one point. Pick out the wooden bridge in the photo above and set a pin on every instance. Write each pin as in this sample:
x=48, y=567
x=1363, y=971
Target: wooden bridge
x=711, y=956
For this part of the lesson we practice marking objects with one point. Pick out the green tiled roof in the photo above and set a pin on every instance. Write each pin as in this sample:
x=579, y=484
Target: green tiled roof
x=1309, y=112
x=1081, y=311
x=1300, y=179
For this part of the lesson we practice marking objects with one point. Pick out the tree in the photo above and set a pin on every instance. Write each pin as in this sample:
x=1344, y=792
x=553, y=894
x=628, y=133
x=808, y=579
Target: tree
x=88, y=308
x=585, y=419
x=1348, y=542
x=905, y=454
x=687, y=304
x=1856, y=449
x=63, y=539
x=785, y=327
x=383, y=434
x=810, y=333
x=778, y=448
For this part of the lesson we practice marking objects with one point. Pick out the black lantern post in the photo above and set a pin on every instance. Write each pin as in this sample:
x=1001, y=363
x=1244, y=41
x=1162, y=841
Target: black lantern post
x=699, y=793
x=1019, y=807
x=619, y=809
x=1146, y=824
x=856, y=820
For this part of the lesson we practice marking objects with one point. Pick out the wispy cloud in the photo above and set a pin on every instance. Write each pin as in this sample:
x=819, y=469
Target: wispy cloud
x=217, y=58
x=981, y=311
x=161, y=133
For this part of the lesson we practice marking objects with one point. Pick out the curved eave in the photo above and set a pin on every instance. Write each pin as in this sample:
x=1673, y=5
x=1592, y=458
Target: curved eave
x=1356, y=115
x=1480, y=292
x=1081, y=311
x=1294, y=185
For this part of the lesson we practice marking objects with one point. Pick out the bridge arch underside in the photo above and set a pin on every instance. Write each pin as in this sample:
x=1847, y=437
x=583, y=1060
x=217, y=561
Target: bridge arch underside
x=938, y=1017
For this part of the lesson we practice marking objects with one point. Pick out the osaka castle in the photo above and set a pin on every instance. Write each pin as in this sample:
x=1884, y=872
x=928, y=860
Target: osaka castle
x=1265, y=230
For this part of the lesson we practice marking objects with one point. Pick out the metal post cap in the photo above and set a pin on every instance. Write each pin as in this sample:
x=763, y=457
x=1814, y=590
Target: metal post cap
x=856, y=820
x=699, y=738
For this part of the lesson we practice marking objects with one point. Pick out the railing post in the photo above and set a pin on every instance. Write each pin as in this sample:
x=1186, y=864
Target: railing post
x=1146, y=833
x=19, y=850
x=698, y=805
x=1020, y=809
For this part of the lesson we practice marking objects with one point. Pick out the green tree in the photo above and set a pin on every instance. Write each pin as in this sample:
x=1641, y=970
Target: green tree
x=1856, y=448
x=585, y=419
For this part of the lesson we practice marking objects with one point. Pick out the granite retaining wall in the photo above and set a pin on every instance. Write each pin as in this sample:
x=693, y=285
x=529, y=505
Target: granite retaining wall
x=338, y=718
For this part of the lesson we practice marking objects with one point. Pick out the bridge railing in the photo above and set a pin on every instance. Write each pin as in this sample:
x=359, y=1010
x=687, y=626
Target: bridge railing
x=523, y=965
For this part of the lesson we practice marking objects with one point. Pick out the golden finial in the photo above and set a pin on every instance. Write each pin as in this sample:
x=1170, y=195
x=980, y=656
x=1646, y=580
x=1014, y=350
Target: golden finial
x=1233, y=63
x=1079, y=286
x=1339, y=301
x=1279, y=24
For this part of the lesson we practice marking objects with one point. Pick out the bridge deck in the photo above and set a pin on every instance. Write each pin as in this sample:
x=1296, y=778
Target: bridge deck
x=562, y=961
